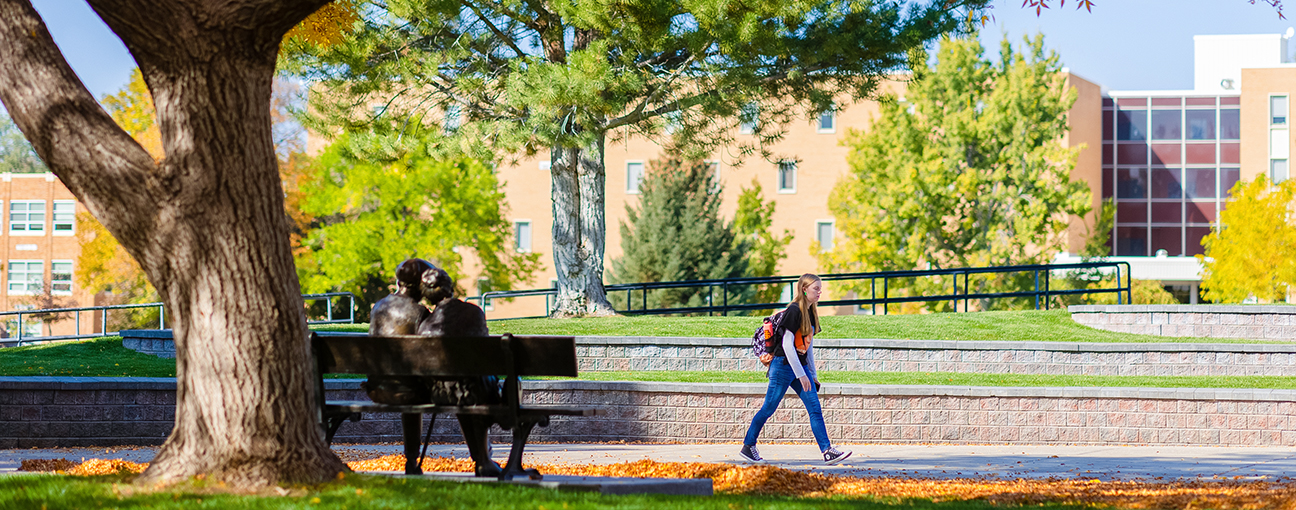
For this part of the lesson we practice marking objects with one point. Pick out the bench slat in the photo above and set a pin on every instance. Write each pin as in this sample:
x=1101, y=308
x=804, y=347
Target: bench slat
x=446, y=356
x=364, y=406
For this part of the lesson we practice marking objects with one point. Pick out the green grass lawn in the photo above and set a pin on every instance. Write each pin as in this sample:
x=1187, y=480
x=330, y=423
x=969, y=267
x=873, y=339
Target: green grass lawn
x=100, y=357
x=964, y=379
x=362, y=491
x=1032, y=325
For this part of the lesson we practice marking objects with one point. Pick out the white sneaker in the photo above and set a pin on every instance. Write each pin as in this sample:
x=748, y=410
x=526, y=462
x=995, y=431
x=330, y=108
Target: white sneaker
x=751, y=454
x=832, y=455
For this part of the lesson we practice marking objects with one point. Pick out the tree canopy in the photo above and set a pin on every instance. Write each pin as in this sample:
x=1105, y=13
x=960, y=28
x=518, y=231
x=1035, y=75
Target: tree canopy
x=1253, y=251
x=521, y=77
x=16, y=154
x=371, y=216
x=967, y=169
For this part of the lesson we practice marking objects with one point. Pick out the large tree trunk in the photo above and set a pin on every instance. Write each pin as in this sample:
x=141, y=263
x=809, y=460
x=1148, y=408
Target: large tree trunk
x=579, y=230
x=206, y=223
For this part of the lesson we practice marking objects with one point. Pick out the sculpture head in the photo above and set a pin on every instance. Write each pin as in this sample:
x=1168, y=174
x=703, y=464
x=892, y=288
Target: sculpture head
x=437, y=285
x=409, y=276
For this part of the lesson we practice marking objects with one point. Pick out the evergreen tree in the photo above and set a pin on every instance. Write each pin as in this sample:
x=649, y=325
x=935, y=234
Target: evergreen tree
x=966, y=170
x=753, y=223
x=676, y=233
x=519, y=77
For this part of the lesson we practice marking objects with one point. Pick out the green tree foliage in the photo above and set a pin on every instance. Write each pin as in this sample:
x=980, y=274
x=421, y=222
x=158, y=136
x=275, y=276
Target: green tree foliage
x=1253, y=253
x=676, y=233
x=370, y=217
x=753, y=223
x=520, y=77
x=966, y=170
x=16, y=153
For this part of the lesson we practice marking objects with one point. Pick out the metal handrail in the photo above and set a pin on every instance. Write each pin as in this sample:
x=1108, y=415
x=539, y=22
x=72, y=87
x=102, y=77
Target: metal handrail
x=103, y=311
x=1041, y=273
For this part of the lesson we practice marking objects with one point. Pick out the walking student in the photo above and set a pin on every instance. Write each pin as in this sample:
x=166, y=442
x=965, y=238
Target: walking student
x=793, y=366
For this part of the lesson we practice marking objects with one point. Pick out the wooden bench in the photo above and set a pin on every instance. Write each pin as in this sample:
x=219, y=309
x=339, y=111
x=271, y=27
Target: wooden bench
x=507, y=355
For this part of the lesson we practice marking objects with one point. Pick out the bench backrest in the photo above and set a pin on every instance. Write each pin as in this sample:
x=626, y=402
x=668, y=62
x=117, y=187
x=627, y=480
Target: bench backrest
x=446, y=356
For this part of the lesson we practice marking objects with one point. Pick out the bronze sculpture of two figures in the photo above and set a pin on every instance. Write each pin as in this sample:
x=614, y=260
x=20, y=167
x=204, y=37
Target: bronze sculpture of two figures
x=402, y=313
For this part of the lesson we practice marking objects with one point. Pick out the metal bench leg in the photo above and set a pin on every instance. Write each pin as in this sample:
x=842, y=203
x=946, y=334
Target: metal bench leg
x=411, y=425
x=333, y=422
x=476, y=432
x=514, y=467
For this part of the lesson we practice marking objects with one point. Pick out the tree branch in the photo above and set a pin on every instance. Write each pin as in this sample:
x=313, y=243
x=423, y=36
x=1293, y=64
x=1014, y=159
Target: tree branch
x=67, y=127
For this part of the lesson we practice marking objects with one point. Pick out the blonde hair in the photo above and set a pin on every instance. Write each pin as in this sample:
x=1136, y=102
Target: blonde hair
x=809, y=311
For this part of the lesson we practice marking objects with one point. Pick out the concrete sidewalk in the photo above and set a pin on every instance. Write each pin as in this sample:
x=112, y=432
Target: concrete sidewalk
x=936, y=461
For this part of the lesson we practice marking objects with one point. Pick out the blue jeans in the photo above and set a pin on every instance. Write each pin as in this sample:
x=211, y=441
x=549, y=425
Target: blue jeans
x=781, y=378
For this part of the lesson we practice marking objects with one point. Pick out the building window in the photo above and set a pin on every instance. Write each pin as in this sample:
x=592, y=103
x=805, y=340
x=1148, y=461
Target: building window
x=787, y=176
x=61, y=277
x=27, y=217
x=522, y=235
x=714, y=166
x=634, y=175
x=453, y=118
x=26, y=276
x=64, y=217
x=484, y=286
x=1201, y=124
x=824, y=234
x=747, y=119
x=1278, y=170
x=1278, y=110
x=828, y=122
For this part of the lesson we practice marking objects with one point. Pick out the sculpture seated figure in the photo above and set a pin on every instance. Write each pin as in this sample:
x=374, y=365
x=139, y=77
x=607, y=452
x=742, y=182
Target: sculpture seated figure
x=399, y=314
x=455, y=318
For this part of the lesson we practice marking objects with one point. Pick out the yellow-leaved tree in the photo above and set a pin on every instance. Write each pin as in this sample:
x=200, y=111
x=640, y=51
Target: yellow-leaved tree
x=1252, y=253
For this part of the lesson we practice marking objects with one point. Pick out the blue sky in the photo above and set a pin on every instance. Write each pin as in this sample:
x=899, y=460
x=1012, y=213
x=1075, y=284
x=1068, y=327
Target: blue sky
x=1121, y=45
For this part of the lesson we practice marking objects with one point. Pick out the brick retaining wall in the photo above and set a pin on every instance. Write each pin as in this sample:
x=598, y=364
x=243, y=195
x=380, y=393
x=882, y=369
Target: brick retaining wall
x=49, y=411
x=605, y=354
x=1258, y=322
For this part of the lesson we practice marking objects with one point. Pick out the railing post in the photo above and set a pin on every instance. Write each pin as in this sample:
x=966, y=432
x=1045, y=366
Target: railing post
x=20, y=329
x=328, y=308
x=886, y=292
x=161, y=316
x=955, y=296
x=103, y=323
x=710, y=299
x=1037, y=289
x=1046, y=289
x=724, y=291
x=873, y=295
x=78, y=323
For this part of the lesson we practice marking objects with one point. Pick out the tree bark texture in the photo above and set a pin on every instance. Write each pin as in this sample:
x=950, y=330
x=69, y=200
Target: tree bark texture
x=579, y=230
x=206, y=223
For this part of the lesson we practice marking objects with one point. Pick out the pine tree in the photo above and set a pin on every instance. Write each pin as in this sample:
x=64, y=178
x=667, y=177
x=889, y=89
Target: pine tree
x=676, y=233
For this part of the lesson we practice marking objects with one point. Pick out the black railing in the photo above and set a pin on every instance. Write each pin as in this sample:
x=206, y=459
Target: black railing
x=1042, y=274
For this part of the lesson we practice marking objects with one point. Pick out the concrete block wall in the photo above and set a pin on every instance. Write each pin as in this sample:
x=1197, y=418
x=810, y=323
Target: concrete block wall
x=1258, y=322
x=604, y=354
x=50, y=412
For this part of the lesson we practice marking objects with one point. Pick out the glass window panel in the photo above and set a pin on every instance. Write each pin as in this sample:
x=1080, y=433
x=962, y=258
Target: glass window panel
x=1199, y=153
x=1107, y=182
x=634, y=174
x=26, y=277
x=827, y=121
x=1131, y=212
x=1166, y=154
x=1230, y=101
x=1167, y=124
x=787, y=175
x=1200, y=182
x=1131, y=183
x=1131, y=125
x=27, y=216
x=1108, y=103
x=1132, y=154
x=1169, y=239
x=1278, y=170
x=1230, y=124
x=522, y=236
x=824, y=234
x=1132, y=101
x=1167, y=101
x=1201, y=212
x=1107, y=124
x=1228, y=178
x=1230, y=153
x=1167, y=183
x=1193, y=237
x=1200, y=101
x=1107, y=149
x=64, y=215
x=1278, y=109
x=1201, y=124
x=61, y=277
x=1167, y=212
x=1131, y=242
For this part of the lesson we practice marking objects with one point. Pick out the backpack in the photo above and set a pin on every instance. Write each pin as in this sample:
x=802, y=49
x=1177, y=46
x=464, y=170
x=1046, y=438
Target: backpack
x=765, y=337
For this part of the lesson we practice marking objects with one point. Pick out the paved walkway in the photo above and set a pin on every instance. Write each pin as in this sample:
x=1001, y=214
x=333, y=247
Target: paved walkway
x=938, y=461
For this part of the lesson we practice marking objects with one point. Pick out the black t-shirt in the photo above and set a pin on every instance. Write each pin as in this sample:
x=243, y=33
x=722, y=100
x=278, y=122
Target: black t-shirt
x=791, y=321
